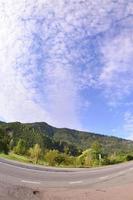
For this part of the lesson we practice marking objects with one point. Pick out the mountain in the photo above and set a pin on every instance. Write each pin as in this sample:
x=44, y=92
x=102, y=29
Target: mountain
x=50, y=137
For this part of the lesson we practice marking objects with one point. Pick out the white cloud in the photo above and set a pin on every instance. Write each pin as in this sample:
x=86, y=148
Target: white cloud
x=62, y=95
x=30, y=92
x=42, y=62
x=16, y=94
x=116, y=75
x=128, y=124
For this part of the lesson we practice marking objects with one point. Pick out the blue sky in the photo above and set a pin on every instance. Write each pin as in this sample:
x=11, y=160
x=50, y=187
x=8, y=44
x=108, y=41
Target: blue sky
x=69, y=63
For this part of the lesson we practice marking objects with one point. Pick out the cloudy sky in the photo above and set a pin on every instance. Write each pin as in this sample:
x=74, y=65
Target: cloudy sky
x=69, y=63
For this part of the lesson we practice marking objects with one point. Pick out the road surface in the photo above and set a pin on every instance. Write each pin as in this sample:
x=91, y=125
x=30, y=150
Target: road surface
x=18, y=181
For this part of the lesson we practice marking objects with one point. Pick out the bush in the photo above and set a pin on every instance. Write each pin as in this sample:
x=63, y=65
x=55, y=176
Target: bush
x=20, y=149
x=88, y=158
x=129, y=157
x=117, y=158
x=35, y=153
x=4, y=141
x=54, y=158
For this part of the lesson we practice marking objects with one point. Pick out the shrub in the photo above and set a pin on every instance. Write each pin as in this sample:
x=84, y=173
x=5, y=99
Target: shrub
x=20, y=149
x=4, y=141
x=129, y=157
x=35, y=153
x=52, y=157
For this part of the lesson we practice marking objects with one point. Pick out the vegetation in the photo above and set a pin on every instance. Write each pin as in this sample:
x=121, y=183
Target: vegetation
x=20, y=149
x=35, y=153
x=42, y=143
x=4, y=141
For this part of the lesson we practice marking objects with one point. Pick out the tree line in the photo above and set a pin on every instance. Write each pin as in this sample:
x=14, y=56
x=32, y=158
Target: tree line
x=54, y=153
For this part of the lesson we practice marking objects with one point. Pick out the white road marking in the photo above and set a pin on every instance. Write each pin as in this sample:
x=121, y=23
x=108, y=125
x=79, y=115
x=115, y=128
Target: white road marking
x=121, y=172
x=30, y=182
x=41, y=170
x=104, y=177
x=75, y=182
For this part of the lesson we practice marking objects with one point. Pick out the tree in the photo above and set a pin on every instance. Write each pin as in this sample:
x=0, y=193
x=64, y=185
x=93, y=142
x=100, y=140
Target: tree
x=97, y=150
x=11, y=144
x=4, y=141
x=91, y=157
x=20, y=149
x=35, y=153
x=86, y=158
x=53, y=157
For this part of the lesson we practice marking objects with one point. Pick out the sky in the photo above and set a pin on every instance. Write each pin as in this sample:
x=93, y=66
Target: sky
x=68, y=63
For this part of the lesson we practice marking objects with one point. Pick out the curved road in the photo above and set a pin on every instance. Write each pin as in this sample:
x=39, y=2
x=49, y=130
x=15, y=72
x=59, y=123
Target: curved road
x=16, y=173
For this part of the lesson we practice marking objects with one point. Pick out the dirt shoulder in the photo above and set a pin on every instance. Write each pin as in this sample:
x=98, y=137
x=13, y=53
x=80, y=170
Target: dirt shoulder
x=115, y=193
x=23, y=193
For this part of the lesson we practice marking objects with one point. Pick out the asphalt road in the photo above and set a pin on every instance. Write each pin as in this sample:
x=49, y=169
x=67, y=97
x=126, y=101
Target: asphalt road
x=14, y=173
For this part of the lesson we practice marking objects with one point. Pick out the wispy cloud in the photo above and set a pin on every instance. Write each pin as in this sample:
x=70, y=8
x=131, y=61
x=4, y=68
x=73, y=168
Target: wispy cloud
x=51, y=50
x=128, y=124
x=116, y=75
x=37, y=83
x=17, y=85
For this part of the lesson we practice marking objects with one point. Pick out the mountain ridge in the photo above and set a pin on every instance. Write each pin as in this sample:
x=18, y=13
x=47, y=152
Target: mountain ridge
x=58, y=138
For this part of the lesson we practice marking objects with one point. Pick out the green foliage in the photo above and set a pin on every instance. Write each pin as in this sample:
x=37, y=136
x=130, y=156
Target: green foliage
x=63, y=146
x=12, y=156
x=92, y=157
x=82, y=159
x=4, y=141
x=69, y=160
x=20, y=149
x=11, y=144
x=35, y=153
x=129, y=157
x=53, y=157
x=119, y=157
x=69, y=141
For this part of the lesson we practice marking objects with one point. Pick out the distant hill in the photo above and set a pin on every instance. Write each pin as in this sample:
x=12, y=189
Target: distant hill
x=59, y=138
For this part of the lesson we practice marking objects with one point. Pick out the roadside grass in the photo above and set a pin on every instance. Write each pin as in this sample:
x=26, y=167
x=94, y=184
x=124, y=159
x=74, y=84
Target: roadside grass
x=25, y=159
x=20, y=158
x=15, y=157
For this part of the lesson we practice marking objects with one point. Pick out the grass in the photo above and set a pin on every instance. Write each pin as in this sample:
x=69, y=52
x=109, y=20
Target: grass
x=25, y=159
x=20, y=158
x=16, y=157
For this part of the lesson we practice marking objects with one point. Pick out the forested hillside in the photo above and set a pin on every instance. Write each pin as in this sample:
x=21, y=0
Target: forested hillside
x=27, y=139
x=58, y=138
